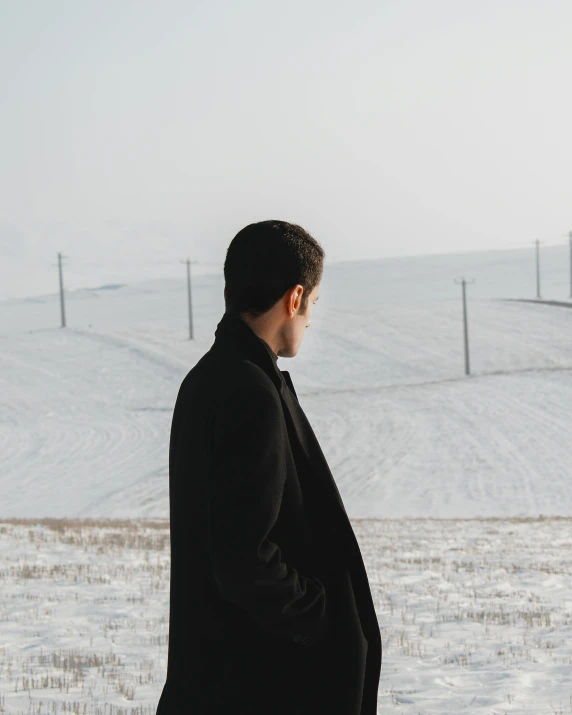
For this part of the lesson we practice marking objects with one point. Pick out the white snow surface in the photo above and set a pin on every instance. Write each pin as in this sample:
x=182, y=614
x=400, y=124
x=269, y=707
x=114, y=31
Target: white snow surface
x=86, y=409
x=475, y=615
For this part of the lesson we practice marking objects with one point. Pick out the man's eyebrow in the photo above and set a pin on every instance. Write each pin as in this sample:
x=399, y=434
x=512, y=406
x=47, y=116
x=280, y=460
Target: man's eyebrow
x=316, y=298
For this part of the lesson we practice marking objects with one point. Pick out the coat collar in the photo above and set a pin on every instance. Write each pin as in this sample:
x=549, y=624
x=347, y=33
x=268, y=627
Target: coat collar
x=233, y=331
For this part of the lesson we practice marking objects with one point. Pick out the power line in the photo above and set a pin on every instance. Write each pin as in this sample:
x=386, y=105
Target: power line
x=89, y=262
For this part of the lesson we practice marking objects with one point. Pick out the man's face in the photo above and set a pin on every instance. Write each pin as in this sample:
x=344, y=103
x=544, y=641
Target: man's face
x=294, y=331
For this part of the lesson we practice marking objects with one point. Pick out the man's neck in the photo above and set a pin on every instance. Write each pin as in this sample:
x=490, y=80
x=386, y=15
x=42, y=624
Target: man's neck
x=263, y=329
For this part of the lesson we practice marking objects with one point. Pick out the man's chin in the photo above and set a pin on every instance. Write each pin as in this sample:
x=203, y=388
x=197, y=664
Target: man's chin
x=287, y=353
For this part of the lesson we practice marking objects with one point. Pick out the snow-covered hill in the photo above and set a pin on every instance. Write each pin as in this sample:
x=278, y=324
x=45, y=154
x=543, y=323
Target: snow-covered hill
x=85, y=411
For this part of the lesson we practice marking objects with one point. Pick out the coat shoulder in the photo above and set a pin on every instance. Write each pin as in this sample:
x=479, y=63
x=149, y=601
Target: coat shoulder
x=246, y=379
x=217, y=377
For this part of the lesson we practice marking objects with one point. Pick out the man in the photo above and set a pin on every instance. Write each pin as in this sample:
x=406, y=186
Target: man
x=270, y=606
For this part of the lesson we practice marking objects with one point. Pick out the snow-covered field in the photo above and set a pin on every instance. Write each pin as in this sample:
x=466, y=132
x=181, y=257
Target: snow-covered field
x=86, y=410
x=475, y=613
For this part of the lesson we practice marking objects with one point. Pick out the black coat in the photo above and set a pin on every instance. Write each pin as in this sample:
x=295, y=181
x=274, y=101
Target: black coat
x=270, y=607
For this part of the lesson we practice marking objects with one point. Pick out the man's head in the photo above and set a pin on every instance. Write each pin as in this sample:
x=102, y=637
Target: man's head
x=272, y=276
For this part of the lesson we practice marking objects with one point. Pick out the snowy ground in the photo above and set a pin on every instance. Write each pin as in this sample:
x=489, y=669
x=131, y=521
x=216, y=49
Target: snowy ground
x=475, y=615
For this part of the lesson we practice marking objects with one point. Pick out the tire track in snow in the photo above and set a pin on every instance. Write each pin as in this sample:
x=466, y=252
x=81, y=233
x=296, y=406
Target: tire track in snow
x=80, y=433
x=484, y=447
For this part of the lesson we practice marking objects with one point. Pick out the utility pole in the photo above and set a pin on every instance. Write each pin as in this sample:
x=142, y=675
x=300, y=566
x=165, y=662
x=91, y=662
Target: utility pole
x=464, y=284
x=62, y=306
x=188, y=262
x=570, y=237
x=537, y=242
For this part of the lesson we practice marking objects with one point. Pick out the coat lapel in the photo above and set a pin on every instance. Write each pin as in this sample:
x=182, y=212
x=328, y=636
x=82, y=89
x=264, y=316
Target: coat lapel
x=307, y=439
x=289, y=382
x=233, y=332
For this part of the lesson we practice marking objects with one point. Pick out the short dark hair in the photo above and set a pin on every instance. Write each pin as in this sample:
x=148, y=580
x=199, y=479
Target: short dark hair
x=264, y=259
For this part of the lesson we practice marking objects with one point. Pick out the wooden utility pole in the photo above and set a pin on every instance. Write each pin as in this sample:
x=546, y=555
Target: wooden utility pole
x=537, y=242
x=464, y=284
x=62, y=306
x=188, y=262
x=570, y=238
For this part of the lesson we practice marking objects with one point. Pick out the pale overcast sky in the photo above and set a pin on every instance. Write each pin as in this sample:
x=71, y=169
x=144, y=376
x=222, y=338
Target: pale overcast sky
x=384, y=128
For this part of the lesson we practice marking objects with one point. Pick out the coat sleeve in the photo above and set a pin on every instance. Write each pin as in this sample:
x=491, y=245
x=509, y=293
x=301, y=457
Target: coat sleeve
x=246, y=484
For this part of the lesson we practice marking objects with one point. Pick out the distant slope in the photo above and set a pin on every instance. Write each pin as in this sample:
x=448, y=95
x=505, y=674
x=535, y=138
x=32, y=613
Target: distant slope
x=85, y=411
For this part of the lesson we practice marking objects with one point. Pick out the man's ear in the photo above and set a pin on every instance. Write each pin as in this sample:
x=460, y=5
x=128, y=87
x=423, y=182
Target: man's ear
x=294, y=300
x=298, y=298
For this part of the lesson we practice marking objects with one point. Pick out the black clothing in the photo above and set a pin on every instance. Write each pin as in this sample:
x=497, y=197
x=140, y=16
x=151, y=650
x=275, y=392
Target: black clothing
x=270, y=607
